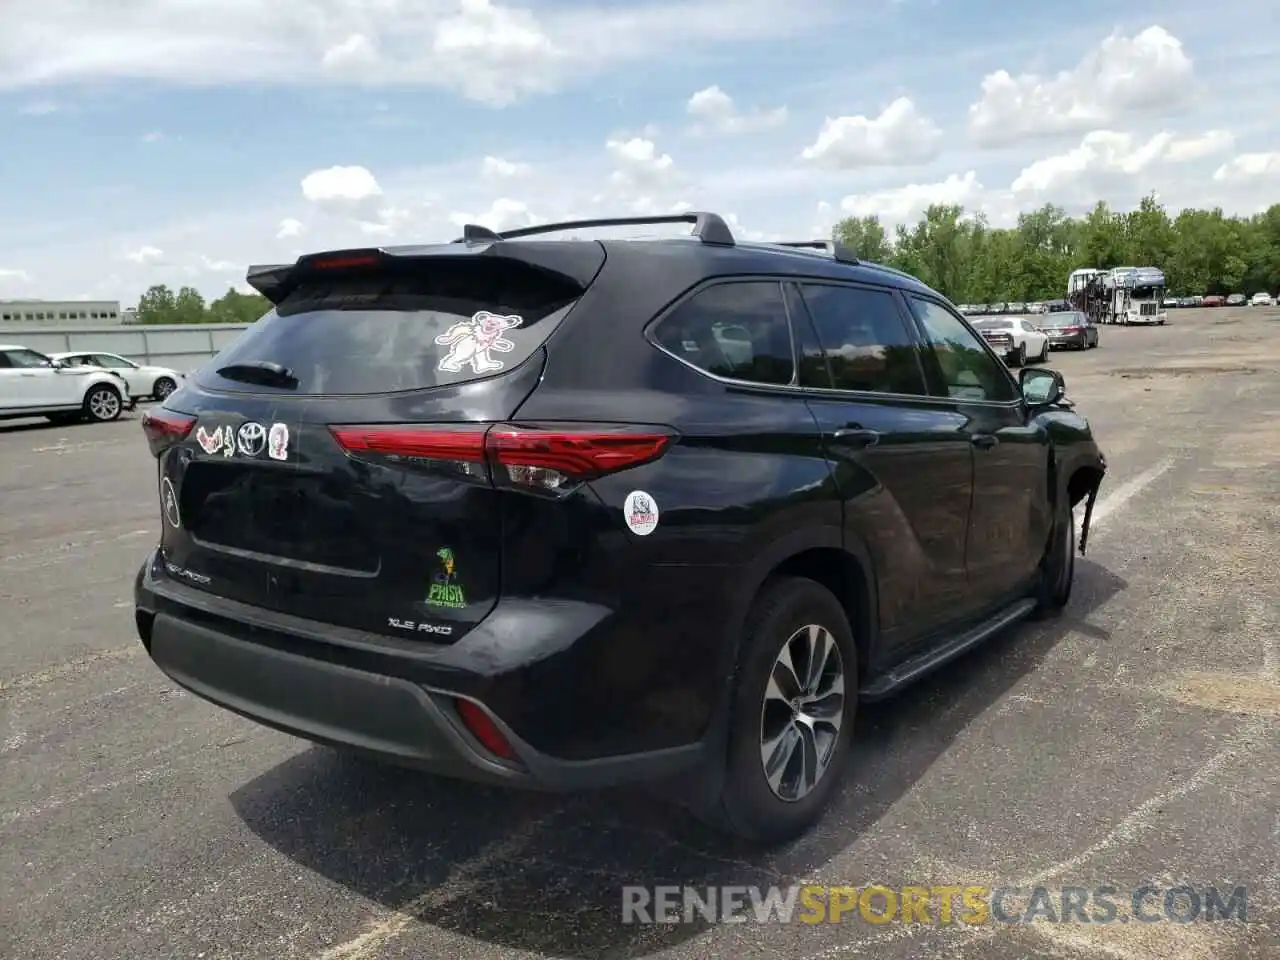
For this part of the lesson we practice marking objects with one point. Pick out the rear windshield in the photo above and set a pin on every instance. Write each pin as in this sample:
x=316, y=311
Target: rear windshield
x=1064, y=320
x=993, y=325
x=451, y=321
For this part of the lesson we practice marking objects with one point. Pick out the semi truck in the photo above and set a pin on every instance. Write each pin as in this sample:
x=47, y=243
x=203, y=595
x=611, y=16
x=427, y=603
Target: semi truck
x=1127, y=295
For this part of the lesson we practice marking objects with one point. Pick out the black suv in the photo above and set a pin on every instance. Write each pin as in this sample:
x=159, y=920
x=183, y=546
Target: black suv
x=571, y=513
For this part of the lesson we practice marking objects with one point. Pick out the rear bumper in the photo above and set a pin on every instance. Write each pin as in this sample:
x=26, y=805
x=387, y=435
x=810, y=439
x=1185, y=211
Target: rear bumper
x=392, y=706
x=1074, y=340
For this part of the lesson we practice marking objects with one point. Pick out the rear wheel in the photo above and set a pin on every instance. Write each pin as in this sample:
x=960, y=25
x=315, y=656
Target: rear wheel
x=163, y=387
x=1044, y=352
x=792, y=714
x=102, y=403
x=1019, y=356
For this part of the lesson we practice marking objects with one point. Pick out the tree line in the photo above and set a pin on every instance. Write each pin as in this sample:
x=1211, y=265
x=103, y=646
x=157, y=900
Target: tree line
x=160, y=304
x=1201, y=252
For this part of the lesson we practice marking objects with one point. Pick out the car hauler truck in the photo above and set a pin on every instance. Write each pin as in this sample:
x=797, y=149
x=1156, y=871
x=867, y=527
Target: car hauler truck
x=1128, y=295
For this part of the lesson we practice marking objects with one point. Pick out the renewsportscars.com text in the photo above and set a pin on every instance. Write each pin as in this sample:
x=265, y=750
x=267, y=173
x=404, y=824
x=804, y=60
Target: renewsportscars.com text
x=971, y=904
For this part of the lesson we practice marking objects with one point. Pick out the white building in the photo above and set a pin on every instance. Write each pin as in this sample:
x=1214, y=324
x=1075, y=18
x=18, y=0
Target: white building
x=66, y=312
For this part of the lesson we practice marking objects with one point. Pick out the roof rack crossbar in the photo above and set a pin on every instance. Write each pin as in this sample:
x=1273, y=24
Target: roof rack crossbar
x=708, y=227
x=837, y=250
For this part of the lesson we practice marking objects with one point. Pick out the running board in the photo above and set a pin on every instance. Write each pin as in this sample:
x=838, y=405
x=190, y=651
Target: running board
x=916, y=667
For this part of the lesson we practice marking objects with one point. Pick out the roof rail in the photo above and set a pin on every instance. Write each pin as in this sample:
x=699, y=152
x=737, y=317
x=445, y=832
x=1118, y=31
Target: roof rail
x=837, y=250
x=710, y=228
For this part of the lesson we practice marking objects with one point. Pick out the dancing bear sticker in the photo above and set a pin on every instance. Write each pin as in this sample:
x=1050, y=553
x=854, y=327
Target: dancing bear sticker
x=471, y=342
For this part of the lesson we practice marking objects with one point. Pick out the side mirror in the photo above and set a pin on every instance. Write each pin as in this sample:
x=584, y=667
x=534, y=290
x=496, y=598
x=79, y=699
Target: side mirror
x=1041, y=387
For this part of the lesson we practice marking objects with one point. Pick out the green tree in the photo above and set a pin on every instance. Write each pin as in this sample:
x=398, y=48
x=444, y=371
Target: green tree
x=157, y=305
x=236, y=307
x=960, y=254
x=188, y=306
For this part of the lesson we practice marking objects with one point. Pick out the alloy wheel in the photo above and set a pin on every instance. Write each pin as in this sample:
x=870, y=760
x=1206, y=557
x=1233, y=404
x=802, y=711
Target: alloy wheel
x=104, y=405
x=803, y=712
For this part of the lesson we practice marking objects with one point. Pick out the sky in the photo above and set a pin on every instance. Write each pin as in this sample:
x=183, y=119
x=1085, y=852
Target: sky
x=178, y=141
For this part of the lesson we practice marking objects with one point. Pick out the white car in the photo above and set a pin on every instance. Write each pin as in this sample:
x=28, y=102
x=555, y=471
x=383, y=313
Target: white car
x=1016, y=339
x=35, y=385
x=1260, y=299
x=145, y=382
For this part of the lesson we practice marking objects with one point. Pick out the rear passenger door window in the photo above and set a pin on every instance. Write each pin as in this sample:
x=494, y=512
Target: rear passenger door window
x=736, y=330
x=867, y=342
x=965, y=368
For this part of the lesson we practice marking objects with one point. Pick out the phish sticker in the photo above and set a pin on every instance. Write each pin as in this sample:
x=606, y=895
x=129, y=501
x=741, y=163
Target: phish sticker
x=472, y=341
x=169, y=503
x=641, y=513
x=209, y=442
x=444, y=592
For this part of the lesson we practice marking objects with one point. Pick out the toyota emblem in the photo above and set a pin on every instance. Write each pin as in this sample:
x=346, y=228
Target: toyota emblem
x=251, y=438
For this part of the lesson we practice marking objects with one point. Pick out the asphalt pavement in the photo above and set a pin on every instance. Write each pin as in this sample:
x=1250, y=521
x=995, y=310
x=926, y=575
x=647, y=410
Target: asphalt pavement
x=1133, y=741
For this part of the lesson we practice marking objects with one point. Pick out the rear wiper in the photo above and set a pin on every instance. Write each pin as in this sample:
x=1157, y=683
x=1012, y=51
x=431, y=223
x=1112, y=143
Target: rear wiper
x=264, y=373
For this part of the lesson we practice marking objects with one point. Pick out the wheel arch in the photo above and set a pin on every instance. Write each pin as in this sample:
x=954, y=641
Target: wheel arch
x=826, y=557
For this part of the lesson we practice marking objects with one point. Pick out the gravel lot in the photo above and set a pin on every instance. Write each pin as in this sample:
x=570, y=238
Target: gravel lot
x=1136, y=740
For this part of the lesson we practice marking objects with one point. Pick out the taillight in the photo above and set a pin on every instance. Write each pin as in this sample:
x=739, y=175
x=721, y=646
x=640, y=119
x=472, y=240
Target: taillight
x=1070, y=329
x=549, y=457
x=165, y=428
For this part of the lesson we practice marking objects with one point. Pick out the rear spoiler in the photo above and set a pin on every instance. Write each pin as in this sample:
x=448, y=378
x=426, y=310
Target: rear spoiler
x=577, y=264
x=277, y=281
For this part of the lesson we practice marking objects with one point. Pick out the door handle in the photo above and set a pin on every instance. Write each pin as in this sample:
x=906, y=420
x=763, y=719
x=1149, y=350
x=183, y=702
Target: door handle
x=984, y=441
x=856, y=437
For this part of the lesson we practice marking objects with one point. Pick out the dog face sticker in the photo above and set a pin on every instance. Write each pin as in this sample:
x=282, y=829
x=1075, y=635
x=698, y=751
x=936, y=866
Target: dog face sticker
x=471, y=342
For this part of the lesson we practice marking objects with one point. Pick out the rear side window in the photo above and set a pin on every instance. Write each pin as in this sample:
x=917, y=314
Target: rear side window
x=737, y=330
x=429, y=324
x=866, y=340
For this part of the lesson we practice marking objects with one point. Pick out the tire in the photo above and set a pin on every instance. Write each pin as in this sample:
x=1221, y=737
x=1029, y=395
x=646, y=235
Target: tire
x=102, y=403
x=162, y=388
x=787, y=614
x=1044, y=352
x=1019, y=357
x=1058, y=566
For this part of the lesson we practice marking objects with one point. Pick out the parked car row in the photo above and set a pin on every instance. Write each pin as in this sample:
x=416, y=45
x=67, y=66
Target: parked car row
x=1259, y=299
x=1015, y=307
x=1023, y=340
x=77, y=385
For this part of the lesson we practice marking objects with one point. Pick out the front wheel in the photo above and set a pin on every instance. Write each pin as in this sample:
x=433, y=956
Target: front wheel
x=102, y=403
x=1058, y=566
x=792, y=715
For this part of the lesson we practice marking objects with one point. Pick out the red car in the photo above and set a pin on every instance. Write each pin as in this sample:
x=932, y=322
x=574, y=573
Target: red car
x=1214, y=301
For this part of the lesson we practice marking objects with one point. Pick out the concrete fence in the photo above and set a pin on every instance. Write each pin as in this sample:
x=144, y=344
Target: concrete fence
x=182, y=347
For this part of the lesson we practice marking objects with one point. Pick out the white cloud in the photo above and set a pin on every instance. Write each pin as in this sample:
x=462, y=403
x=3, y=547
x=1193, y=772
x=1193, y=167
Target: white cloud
x=907, y=203
x=351, y=192
x=1250, y=167
x=1121, y=78
x=154, y=136
x=639, y=162
x=211, y=265
x=289, y=227
x=354, y=53
x=716, y=112
x=486, y=50
x=146, y=255
x=899, y=136
x=495, y=168
x=1104, y=155
x=503, y=214
x=39, y=108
